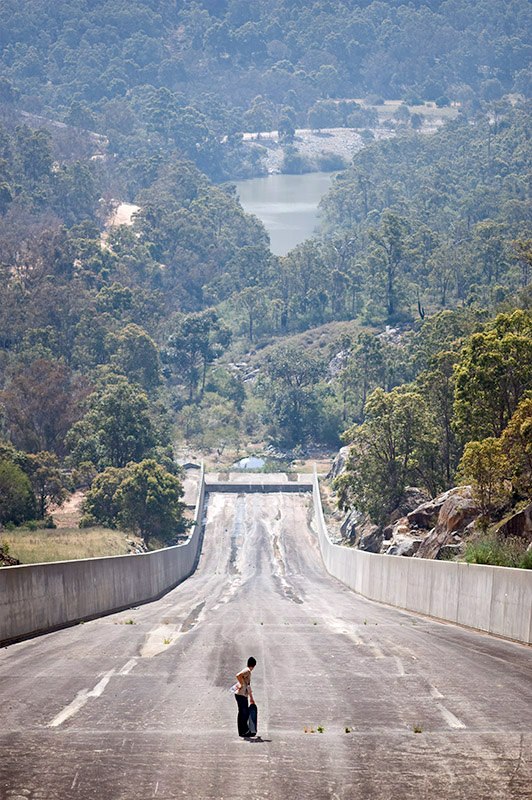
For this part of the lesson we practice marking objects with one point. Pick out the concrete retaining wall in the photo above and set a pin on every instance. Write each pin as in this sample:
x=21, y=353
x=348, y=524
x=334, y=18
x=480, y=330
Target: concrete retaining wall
x=40, y=597
x=497, y=600
x=222, y=486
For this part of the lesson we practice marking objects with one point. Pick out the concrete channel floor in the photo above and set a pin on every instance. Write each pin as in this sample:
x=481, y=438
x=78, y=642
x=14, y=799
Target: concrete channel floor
x=136, y=705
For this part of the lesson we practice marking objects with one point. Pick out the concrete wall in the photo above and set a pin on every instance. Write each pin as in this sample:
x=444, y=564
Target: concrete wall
x=224, y=486
x=40, y=597
x=493, y=599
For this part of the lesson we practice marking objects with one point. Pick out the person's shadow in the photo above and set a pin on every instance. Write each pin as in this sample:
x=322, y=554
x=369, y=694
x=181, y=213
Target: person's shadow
x=258, y=740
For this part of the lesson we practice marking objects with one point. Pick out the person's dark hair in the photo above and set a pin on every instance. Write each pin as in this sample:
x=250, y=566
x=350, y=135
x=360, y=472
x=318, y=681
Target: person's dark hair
x=251, y=661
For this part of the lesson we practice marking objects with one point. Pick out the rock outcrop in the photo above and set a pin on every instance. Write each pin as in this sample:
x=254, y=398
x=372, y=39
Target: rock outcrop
x=423, y=527
x=338, y=465
x=518, y=525
x=413, y=497
x=358, y=531
x=456, y=510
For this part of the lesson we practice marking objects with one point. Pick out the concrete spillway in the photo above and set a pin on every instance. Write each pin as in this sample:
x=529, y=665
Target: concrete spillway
x=356, y=699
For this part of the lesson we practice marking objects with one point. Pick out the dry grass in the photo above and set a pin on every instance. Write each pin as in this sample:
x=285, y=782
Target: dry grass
x=64, y=544
x=306, y=465
x=69, y=514
x=429, y=110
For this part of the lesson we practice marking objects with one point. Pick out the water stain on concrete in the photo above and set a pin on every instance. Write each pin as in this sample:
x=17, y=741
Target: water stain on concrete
x=192, y=619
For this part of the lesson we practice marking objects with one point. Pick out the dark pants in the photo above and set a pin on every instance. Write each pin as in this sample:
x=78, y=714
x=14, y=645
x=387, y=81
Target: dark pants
x=243, y=711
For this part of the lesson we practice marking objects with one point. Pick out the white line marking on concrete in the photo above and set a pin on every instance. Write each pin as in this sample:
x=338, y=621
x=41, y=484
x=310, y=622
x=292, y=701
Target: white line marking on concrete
x=450, y=719
x=99, y=688
x=75, y=779
x=80, y=700
x=126, y=669
x=156, y=788
x=435, y=694
x=400, y=667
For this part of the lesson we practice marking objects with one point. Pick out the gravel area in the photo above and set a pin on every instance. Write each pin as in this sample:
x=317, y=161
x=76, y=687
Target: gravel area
x=344, y=142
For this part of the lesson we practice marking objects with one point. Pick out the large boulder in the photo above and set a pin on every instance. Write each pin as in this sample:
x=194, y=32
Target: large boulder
x=359, y=531
x=456, y=514
x=399, y=539
x=404, y=546
x=431, y=546
x=412, y=498
x=371, y=539
x=338, y=465
x=518, y=525
x=348, y=528
x=458, y=510
x=426, y=515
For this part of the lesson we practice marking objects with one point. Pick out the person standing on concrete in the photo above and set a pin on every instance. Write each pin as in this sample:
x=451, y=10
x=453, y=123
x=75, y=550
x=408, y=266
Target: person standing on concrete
x=244, y=696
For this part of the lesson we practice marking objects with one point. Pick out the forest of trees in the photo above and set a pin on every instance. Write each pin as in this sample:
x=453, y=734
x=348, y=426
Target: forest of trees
x=169, y=75
x=115, y=344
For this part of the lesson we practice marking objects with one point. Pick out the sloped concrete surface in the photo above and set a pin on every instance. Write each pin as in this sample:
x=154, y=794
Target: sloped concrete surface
x=137, y=705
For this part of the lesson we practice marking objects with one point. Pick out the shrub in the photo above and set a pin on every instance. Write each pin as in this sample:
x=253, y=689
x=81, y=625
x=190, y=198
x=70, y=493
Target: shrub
x=17, y=501
x=149, y=499
x=143, y=497
x=498, y=552
x=87, y=521
x=485, y=466
x=294, y=163
x=330, y=162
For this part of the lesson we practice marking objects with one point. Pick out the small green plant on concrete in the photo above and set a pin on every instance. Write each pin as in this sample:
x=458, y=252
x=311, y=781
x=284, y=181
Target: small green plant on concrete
x=129, y=622
x=418, y=729
x=167, y=641
x=320, y=729
x=348, y=729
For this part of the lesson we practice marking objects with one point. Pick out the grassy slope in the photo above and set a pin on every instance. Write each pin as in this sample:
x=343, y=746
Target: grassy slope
x=67, y=541
x=63, y=544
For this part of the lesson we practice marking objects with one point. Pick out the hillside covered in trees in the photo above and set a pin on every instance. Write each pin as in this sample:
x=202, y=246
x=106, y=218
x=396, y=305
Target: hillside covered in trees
x=409, y=312
x=165, y=75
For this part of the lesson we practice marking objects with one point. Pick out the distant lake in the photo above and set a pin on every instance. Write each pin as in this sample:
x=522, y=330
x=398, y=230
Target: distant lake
x=287, y=205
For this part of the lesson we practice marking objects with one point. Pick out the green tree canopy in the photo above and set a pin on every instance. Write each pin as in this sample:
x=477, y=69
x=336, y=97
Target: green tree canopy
x=17, y=501
x=149, y=499
x=116, y=429
x=485, y=466
x=50, y=483
x=198, y=339
x=287, y=383
x=137, y=357
x=40, y=403
x=492, y=376
x=99, y=503
x=395, y=446
x=516, y=443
